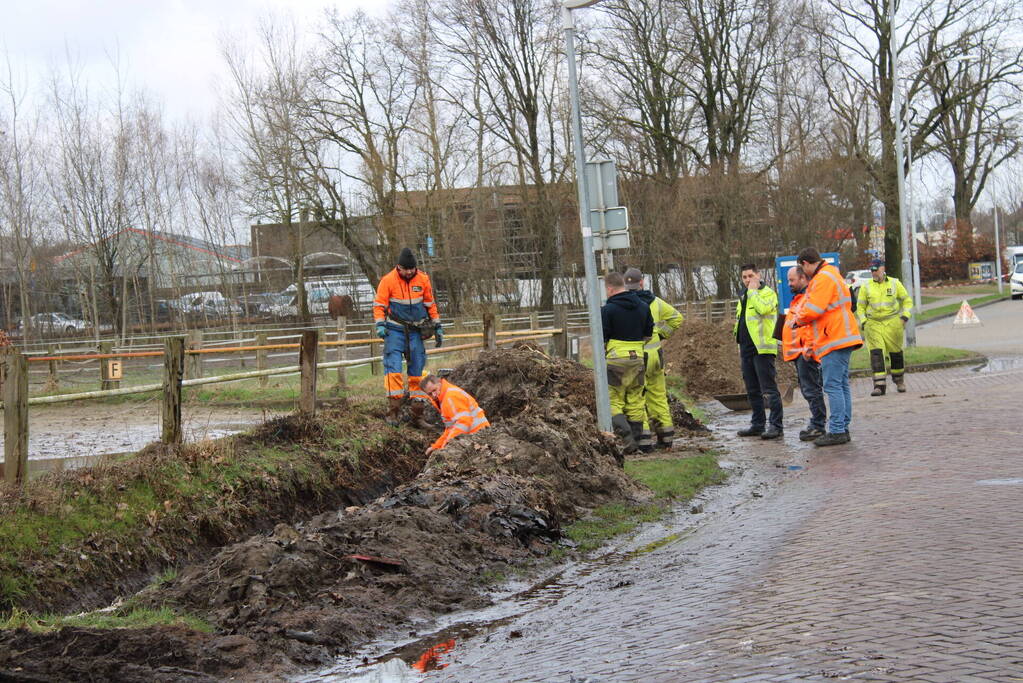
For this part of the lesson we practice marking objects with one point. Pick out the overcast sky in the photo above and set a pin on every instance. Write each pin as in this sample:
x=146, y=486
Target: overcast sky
x=168, y=47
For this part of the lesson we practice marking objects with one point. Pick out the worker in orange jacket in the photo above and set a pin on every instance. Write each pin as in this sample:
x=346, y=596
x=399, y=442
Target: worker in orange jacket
x=406, y=314
x=797, y=347
x=835, y=334
x=459, y=410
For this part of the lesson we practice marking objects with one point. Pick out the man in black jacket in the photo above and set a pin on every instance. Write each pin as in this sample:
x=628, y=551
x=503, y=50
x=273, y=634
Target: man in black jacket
x=627, y=324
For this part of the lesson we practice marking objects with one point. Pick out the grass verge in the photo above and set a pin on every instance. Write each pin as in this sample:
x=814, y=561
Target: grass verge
x=672, y=480
x=127, y=616
x=915, y=355
x=938, y=311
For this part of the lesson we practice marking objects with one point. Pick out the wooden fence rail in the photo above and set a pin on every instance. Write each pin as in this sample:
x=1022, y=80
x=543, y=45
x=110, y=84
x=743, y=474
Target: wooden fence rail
x=16, y=400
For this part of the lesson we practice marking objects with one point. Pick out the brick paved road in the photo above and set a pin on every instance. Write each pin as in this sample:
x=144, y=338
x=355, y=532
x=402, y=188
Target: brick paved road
x=897, y=557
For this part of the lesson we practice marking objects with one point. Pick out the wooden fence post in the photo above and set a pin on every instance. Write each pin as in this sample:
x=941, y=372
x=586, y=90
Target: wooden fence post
x=193, y=362
x=307, y=362
x=52, y=379
x=561, y=339
x=342, y=350
x=104, y=367
x=261, y=359
x=534, y=320
x=489, y=331
x=16, y=419
x=708, y=310
x=173, y=371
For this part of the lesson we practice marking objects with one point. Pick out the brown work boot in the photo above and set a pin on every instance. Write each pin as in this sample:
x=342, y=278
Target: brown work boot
x=879, y=389
x=418, y=421
x=393, y=408
x=900, y=383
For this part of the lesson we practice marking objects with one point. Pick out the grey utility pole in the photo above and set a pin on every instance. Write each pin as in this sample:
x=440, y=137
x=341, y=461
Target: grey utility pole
x=592, y=283
x=907, y=271
x=998, y=253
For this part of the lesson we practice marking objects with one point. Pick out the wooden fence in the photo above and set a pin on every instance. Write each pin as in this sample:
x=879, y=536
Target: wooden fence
x=176, y=354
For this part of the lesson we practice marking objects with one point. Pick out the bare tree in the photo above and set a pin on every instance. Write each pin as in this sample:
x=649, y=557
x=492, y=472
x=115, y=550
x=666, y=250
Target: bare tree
x=981, y=130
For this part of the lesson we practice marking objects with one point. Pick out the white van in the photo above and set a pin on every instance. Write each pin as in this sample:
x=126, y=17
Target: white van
x=318, y=293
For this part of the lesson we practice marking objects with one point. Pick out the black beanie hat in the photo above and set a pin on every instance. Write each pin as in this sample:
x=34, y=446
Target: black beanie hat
x=406, y=259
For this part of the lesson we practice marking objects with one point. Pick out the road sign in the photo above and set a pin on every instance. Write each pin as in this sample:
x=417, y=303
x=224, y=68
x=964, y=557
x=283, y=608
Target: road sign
x=615, y=240
x=602, y=184
x=615, y=219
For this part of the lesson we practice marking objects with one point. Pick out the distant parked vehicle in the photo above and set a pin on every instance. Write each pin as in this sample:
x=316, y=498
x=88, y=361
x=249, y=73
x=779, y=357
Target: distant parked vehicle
x=1016, y=281
x=52, y=323
x=207, y=305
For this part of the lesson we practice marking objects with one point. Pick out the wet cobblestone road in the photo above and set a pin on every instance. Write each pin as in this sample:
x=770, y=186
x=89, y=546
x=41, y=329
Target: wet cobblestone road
x=896, y=557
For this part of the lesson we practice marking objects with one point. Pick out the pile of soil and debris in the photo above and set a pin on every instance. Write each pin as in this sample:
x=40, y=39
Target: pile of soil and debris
x=706, y=356
x=302, y=594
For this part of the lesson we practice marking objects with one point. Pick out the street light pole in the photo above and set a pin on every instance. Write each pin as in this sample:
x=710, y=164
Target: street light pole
x=998, y=253
x=907, y=273
x=592, y=284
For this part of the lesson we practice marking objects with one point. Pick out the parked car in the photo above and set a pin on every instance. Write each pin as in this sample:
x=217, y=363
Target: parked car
x=52, y=323
x=207, y=305
x=1016, y=282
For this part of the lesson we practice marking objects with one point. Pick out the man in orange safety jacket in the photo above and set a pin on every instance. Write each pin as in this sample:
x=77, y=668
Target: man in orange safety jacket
x=406, y=314
x=835, y=334
x=797, y=347
x=461, y=413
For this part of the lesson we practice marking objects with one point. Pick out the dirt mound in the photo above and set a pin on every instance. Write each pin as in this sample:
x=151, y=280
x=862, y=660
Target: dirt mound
x=507, y=381
x=308, y=591
x=706, y=356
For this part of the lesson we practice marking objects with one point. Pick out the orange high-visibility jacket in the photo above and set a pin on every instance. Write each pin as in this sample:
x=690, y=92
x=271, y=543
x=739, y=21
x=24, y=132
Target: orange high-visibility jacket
x=461, y=413
x=795, y=341
x=827, y=309
x=399, y=299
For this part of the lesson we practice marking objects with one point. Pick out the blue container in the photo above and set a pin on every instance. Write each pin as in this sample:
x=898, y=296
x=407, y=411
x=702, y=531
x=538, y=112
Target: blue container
x=781, y=274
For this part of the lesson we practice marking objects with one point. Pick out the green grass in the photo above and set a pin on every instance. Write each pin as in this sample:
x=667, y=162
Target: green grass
x=915, y=355
x=127, y=616
x=939, y=311
x=930, y=299
x=671, y=479
x=677, y=388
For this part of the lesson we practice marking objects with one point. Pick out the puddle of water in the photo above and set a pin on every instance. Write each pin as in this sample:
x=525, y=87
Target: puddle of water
x=1001, y=364
x=795, y=468
x=1014, y=481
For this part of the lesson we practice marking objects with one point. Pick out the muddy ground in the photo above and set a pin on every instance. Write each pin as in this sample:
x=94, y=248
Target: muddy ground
x=302, y=594
x=67, y=432
x=707, y=357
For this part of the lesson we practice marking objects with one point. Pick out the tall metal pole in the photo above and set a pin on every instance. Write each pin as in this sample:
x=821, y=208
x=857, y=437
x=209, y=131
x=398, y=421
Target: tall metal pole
x=912, y=215
x=899, y=142
x=592, y=284
x=998, y=253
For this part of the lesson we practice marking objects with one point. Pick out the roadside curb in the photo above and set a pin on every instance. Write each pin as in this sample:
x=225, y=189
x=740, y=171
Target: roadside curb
x=925, y=367
x=952, y=315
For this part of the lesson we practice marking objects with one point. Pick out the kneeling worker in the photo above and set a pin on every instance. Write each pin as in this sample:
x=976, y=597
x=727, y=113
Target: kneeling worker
x=883, y=307
x=627, y=325
x=461, y=413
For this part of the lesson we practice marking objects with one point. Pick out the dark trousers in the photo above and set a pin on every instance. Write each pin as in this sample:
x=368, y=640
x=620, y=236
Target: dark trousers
x=758, y=373
x=811, y=386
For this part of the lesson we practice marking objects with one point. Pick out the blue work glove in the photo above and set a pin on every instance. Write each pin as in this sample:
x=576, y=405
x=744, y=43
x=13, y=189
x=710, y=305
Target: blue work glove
x=381, y=330
x=438, y=332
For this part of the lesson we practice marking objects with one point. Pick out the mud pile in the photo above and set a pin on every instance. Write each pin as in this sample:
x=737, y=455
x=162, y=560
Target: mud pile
x=301, y=595
x=706, y=356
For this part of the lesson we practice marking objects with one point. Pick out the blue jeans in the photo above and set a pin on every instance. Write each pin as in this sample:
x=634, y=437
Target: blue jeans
x=810, y=386
x=835, y=369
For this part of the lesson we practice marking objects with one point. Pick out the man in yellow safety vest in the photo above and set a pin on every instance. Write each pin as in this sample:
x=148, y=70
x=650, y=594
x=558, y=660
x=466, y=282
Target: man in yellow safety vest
x=883, y=307
x=655, y=388
x=756, y=314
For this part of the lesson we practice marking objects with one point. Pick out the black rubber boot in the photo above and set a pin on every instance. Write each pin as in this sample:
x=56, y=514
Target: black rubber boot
x=877, y=365
x=898, y=370
x=644, y=438
x=665, y=438
x=620, y=425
